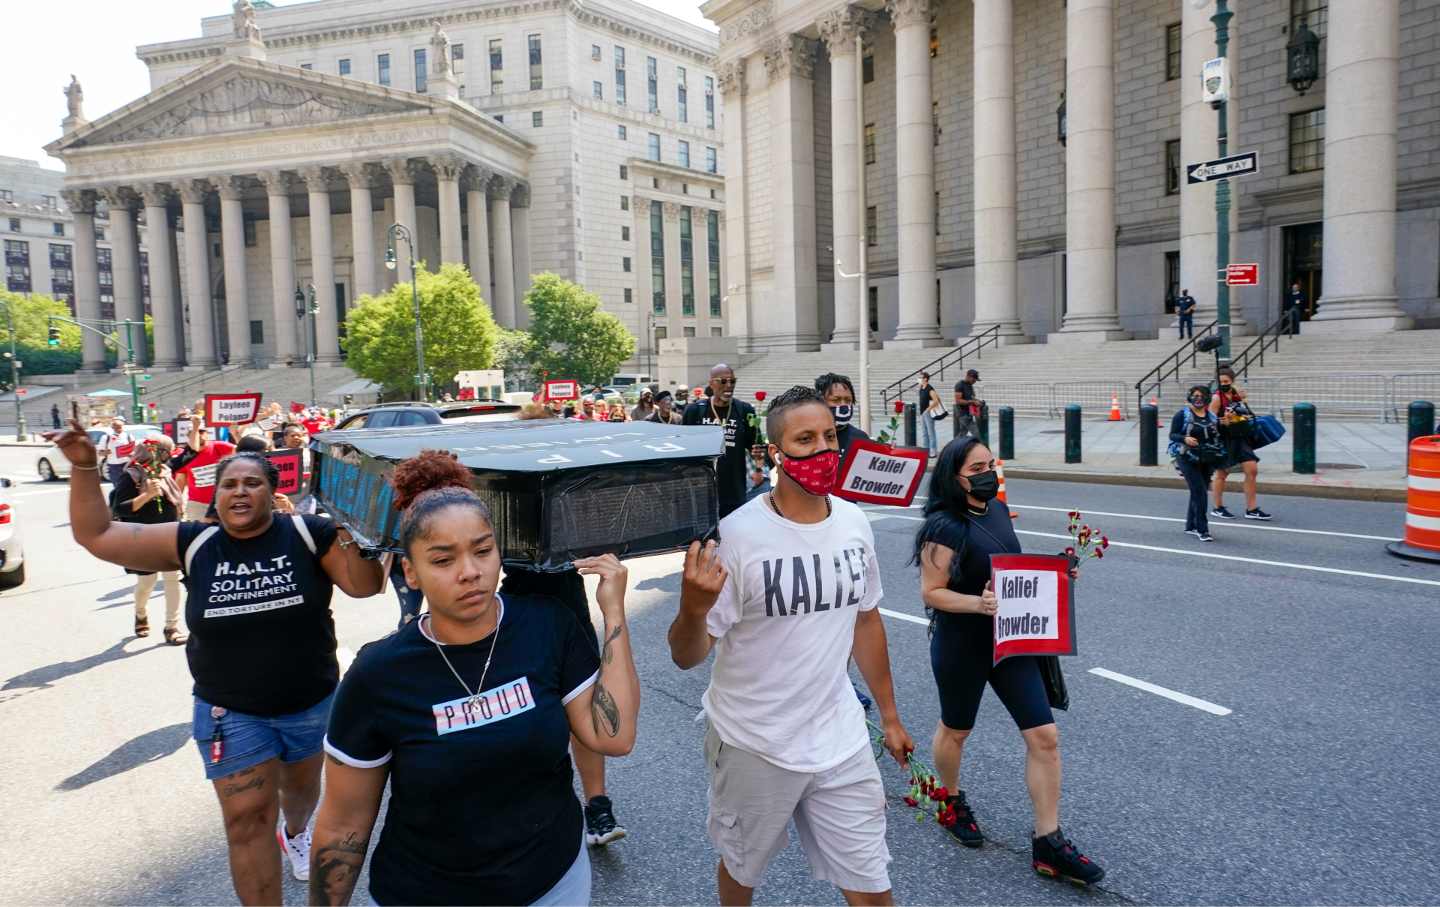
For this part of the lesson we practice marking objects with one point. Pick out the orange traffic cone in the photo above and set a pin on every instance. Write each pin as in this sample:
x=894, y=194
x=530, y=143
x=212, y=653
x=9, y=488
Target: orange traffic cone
x=1155, y=402
x=1115, y=415
x=1000, y=475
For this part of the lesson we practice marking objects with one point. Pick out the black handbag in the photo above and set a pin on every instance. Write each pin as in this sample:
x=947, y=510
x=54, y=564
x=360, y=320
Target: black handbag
x=1055, y=691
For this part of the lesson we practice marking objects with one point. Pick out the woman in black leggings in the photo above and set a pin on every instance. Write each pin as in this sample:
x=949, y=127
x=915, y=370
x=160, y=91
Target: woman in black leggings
x=1194, y=444
x=964, y=525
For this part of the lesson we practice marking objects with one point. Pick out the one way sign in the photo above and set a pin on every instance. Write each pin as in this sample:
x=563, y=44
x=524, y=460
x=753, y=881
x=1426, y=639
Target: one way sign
x=1222, y=169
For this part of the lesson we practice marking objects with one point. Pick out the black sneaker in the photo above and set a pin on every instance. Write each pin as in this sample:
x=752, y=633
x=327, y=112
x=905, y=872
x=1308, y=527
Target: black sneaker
x=1055, y=857
x=1223, y=512
x=966, y=830
x=1257, y=514
x=600, y=825
x=1204, y=536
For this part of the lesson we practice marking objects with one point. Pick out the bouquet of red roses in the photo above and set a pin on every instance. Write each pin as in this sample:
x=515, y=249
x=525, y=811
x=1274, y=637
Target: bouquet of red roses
x=1088, y=542
x=927, y=796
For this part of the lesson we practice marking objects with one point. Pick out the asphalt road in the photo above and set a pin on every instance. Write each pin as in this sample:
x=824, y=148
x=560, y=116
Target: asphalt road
x=1301, y=771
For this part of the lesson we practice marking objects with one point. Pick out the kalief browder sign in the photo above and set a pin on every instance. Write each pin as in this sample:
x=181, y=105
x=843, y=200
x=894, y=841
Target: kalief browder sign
x=557, y=490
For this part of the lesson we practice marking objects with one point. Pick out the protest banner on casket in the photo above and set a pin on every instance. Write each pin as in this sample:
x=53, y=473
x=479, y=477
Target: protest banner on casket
x=876, y=473
x=290, y=462
x=231, y=409
x=560, y=391
x=1036, y=614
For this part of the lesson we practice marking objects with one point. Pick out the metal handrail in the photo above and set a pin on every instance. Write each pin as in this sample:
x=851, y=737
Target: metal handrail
x=1254, y=354
x=936, y=368
x=1170, y=366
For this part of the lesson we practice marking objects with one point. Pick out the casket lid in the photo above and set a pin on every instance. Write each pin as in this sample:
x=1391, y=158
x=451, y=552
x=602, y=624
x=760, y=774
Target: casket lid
x=537, y=445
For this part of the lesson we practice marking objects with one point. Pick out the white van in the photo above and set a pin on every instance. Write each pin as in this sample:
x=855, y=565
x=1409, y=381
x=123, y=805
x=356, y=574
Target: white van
x=628, y=380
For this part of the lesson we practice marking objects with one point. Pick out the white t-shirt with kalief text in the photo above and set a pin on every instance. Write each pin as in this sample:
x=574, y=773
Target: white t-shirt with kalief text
x=784, y=627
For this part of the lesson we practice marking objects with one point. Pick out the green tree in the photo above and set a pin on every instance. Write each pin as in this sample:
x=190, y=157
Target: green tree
x=570, y=335
x=460, y=333
x=31, y=318
x=512, y=355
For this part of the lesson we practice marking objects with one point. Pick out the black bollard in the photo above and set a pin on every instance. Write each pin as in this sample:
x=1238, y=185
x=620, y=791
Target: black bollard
x=1007, y=433
x=910, y=426
x=982, y=423
x=1304, y=440
x=1072, y=433
x=1149, y=453
x=1420, y=421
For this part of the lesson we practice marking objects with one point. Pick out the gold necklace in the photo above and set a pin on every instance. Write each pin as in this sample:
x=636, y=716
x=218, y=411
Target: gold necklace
x=776, y=507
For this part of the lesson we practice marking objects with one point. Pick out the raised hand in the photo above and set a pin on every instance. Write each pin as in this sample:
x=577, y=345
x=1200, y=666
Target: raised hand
x=75, y=444
x=610, y=595
x=988, y=603
x=703, y=578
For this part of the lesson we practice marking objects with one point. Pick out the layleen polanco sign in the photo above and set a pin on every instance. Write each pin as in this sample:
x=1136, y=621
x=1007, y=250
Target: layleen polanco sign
x=880, y=474
x=231, y=409
x=1036, y=600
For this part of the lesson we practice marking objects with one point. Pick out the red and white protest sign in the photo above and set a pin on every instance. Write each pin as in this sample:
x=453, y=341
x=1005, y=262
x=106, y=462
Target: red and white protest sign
x=559, y=391
x=880, y=474
x=291, y=463
x=1242, y=275
x=1036, y=599
x=231, y=409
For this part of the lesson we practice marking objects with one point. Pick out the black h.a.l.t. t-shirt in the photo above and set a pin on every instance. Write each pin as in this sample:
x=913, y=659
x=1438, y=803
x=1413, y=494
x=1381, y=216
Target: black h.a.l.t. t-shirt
x=740, y=436
x=262, y=640
x=482, y=804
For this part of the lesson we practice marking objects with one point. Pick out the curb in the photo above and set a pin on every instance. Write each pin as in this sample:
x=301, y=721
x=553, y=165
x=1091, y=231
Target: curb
x=1336, y=492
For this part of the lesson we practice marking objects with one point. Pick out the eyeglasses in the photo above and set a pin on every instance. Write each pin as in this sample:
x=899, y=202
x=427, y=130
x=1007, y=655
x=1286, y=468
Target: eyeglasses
x=722, y=381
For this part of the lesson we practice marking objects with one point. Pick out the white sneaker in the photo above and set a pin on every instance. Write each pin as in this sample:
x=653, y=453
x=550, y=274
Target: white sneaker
x=297, y=849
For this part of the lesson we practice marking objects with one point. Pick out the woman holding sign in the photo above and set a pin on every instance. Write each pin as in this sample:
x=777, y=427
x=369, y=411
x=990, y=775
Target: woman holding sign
x=964, y=526
x=261, y=649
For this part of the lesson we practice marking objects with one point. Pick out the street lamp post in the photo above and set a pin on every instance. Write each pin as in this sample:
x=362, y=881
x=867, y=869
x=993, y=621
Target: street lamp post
x=1222, y=195
x=403, y=232
x=301, y=310
x=21, y=429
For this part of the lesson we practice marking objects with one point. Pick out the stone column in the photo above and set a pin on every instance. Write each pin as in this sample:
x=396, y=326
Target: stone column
x=839, y=30
x=362, y=229
x=402, y=176
x=915, y=175
x=125, y=267
x=520, y=240
x=1362, y=98
x=794, y=321
x=169, y=332
x=282, y=269
x=447, y=177
x=197, y=275
x=237, y=286
x=997, y=299
x=322, y=266
x=731, y=78
x=86, y=277
x=477, y=218
x=673, y=290
x=1091, y=312
x=504, y=303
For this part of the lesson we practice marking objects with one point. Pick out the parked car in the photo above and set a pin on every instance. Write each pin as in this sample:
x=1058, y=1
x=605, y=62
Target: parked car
x=50, y=463
x=397, y=415
x=12, y=552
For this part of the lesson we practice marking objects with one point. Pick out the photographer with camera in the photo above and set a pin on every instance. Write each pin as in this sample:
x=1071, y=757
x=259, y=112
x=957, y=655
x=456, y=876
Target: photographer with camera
x=1196, y=449
x=1236, y=421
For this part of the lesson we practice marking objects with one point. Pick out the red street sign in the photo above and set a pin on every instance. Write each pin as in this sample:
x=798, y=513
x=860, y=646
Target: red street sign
x=21, y=391
x=1247, y=275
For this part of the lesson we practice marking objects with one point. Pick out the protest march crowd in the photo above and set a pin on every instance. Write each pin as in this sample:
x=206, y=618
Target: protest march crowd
x=497, y=670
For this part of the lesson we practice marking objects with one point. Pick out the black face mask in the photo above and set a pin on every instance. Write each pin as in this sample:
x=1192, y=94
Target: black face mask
x=1197, y=401
x=984, y=486
x=842, y=414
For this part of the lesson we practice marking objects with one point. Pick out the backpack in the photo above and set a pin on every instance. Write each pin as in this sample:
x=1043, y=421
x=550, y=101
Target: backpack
x=1207, y=453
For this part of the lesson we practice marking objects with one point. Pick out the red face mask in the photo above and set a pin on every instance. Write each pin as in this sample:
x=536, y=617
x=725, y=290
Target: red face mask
x=816, y=473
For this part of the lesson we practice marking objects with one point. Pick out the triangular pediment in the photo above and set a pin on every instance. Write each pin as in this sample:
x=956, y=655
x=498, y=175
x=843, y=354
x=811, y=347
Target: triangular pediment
x=240, y=95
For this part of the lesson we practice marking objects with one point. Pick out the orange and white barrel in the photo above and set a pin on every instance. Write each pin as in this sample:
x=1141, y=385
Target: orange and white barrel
x=1422, y=503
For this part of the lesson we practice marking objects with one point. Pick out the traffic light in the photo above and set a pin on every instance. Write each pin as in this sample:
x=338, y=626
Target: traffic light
x=54, y=338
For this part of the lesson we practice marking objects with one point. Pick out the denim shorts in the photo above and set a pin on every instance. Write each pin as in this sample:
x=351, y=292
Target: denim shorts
x=249, y=740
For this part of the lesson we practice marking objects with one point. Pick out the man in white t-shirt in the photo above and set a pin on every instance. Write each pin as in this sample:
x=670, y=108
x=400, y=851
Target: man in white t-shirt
x=117, y=447
x=788, y=595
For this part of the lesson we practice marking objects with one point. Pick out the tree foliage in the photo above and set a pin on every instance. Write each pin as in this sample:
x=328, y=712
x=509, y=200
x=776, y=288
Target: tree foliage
x=32, y=315
x=460, y=333
x=570, y=335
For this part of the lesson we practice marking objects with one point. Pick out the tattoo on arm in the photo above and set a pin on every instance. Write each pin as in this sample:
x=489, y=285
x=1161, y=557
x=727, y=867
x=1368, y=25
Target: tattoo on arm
x=336, y=868
x=605, y=654
x=604, y=711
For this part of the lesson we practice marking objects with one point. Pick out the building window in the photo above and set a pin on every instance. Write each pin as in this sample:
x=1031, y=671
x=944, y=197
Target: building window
x=343, y=66
x=709, y=102
x=624, y=172
x=687, y=263
x=14, y=225
x=257, y=332
x=652, y=83
x=625, y=264
x=7, y=195
x=537, y=118
x=1172, y=52
x=624, y=234
x=937, y=213
x=59, y=255
x=620, y=133
x=310, y=66
x=712, y=160
x=867, y=68
x=497, y=65
x=595, y=53
x=382, y=69
x=629, y=296
x=1314, y=13
x=100, y=234
x=717, y=331
x=652, y=147
x=934, y=43
x=421, y=76
x=58, y=228
x=50, y=202
x=872, y=226
x=681, y=95
x=1172, y=167
x=657, y=259
x=869, y=143
x=537, y=73
x=661, y=332
x=624, y=203
x=872, y=306
x=935, y=123
x=1172, y=281
x=597, y=90
x=249, y=232
x=684, y=153
x=1307, y=141
x=688, y=330
x=620, y=76
x=712, y=248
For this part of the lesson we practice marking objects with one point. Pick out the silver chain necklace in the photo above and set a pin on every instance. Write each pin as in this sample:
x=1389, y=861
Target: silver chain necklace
x=475, y=696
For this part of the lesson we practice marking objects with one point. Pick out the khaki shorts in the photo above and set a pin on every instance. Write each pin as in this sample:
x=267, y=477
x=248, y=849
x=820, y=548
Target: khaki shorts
x=839, y=815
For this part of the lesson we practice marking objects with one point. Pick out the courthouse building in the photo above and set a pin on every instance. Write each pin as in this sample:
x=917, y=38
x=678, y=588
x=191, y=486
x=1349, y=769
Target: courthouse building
x=1023, y=166
x=275, y=150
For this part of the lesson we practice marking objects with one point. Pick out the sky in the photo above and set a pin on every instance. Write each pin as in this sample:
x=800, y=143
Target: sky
x=47, y=40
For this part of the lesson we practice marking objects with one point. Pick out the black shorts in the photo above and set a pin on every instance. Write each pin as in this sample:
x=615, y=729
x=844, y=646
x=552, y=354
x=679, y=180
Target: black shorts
x=1238, y=451
x=961, y=651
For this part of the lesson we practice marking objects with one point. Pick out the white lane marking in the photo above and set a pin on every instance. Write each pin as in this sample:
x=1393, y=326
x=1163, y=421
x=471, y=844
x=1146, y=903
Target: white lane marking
x=1219, y=557
x=1182, y=698
x=31, y=494
x=345, y=657
x=1217, y=523
x=910, y=617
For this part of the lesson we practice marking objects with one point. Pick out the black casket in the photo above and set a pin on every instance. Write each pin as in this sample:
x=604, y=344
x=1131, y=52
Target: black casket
x=558, y=490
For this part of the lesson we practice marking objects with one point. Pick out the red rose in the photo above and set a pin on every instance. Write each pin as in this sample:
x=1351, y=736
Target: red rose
x=1099, y=552
x=1104, y=541
x=899, y=407
x=911, y=801
x=940, y=795
x=1070, y=552
x=760, y=396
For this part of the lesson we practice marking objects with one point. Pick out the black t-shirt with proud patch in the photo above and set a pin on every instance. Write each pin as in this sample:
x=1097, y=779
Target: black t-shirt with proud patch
x=482, y=804
x=262, y=640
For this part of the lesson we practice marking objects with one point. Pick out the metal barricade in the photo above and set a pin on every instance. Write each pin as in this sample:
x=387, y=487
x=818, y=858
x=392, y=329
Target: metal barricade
x=1027, y=399
x=1337, y=396
x=1407, y=388
x=1094, y=397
